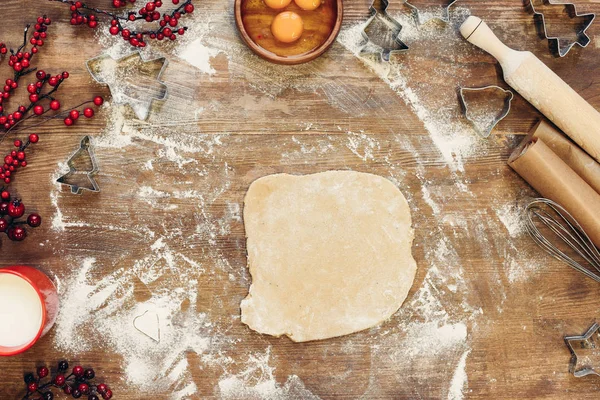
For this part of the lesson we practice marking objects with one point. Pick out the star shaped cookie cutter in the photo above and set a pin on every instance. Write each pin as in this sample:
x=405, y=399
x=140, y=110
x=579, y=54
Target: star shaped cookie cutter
x=589, y=340
x=559, y=45
x=382, y=28
x=137, y=84
x=445, y=17
x=84, y=147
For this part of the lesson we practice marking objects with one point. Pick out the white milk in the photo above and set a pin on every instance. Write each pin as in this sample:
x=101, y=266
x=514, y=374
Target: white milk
x=20, y=311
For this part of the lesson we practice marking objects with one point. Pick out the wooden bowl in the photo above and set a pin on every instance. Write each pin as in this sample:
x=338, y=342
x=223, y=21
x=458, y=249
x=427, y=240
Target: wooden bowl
x=288, y=60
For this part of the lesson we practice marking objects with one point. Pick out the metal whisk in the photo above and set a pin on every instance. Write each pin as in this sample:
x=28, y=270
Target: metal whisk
x=565, y=229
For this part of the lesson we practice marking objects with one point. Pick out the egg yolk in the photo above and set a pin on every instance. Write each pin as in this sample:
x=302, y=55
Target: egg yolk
x=277, y=4
x=308, y=5
x=287, y=27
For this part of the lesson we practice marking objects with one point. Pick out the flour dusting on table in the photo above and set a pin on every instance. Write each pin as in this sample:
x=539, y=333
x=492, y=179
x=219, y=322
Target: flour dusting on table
x=183, y=273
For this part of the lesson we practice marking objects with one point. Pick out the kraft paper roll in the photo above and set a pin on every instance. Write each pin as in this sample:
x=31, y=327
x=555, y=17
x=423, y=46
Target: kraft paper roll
x=555, y=180
x=579, y=161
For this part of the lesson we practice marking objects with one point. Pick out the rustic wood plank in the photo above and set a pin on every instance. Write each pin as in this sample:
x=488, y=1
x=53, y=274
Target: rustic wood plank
x=252, y=125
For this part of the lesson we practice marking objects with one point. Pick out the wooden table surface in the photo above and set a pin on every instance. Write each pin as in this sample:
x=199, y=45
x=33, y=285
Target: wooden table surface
x=218, y=132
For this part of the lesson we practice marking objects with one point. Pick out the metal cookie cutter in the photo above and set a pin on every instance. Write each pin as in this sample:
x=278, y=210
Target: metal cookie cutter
x=484, y=124
x=382, y=33
x=445, y=16
x=85, y=148
x=560, y=45
x=131, y=79
x=590, y=343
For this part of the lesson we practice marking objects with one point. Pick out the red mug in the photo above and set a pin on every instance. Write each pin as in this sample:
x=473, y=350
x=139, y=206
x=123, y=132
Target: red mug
x=28, y=308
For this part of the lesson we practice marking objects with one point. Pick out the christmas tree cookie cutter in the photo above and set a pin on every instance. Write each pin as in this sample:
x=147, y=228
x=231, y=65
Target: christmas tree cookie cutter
x=382, y=33
x=560, y=45
x=589, y=341
x=484, y=124
x=132, y=80
x=85, y=148
x=423, y=17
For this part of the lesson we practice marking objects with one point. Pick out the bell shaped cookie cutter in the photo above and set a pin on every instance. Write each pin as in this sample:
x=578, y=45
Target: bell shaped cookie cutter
x=485, y=126
x=382, y=33
x=590, y=341
x=105, y=70
x=85, y=147
x=444, y=17
x=558, y=45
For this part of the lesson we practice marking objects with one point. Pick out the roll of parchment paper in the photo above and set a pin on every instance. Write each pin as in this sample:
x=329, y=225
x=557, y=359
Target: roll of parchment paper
x=555, y=180
x=579, y=161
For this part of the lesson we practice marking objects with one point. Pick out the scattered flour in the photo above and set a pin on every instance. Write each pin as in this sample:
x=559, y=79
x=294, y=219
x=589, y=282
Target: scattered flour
x=512, y=217
x=257, y=381
x=453, y=137
x=435, y=324
x=459, y=380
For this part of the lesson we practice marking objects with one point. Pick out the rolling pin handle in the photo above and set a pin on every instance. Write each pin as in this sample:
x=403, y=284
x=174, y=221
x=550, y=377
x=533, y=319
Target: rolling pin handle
x=479, y=33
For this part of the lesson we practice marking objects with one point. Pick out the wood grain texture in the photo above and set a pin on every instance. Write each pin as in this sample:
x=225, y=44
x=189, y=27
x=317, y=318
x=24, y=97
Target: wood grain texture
x=260, y=127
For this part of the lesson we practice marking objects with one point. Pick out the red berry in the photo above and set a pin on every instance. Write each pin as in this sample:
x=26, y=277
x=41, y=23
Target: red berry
x=34, y=98
x=101, y=388
x=93, y=24
x=53, y=81
x=54, y=105
x=65, y=75
x=3, y=225
x=17, y=234
x=68, y=389
x=114, y=30
x=8, y=160
x=189, y=8
x=5, y=195
x=17, y=115
x=16, y=209
x=84, y=388
x=98, y=100
x=23, y=163
x=88, y=113
x=59, y=380
x=38, y=110
x=31, y=88
x=74, y=114
x=78, y=370
x=42, y=372
x=20, y=155
x=68, y=121
x=32, y=387
x=34, y=138
x=34, y=220
x=107, y=395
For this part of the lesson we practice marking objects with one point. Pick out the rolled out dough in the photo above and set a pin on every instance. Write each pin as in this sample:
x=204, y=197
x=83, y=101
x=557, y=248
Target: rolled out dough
x=329, y=254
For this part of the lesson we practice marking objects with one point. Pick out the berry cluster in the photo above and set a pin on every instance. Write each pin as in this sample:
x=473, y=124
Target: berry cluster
x=167, y=22
x=12, y=207
x=77, y=383
x=41, y=101
x=21, y=60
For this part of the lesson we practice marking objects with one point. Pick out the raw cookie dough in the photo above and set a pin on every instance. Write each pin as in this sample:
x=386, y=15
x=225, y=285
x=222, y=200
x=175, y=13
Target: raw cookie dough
x=329, y=254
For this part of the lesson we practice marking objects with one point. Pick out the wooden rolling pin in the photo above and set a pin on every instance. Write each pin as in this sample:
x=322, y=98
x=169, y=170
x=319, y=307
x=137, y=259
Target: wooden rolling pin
x=541, y=87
